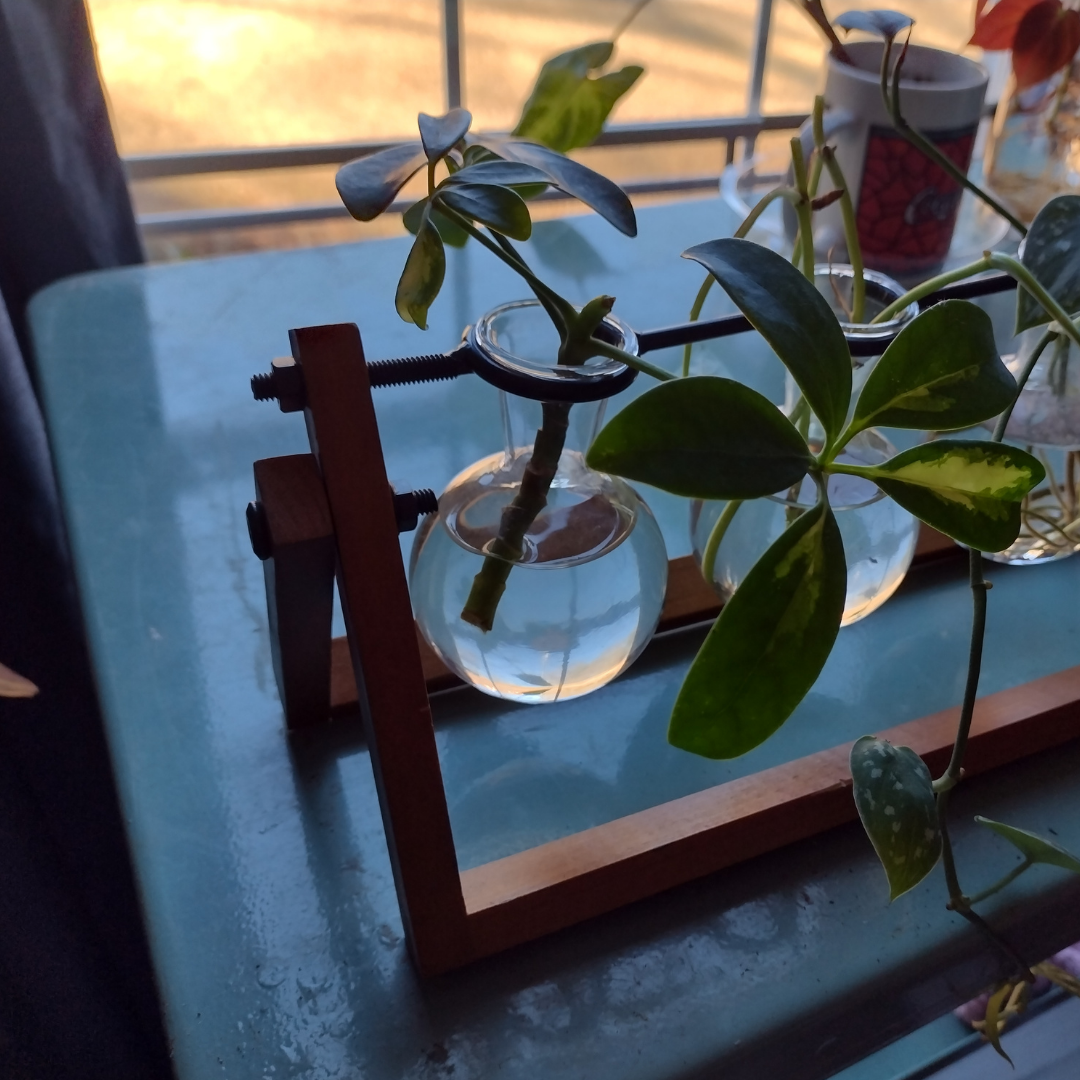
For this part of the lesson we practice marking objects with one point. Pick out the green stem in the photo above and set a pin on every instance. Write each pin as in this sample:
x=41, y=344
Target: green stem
x=827, y=156
x=552, y=301
x=929, y=286
x=1021, y=382
x=612, y=352
x=1010, y=877
x=716, y=536
x=1018, y=270
x=918, y=140
x=517, y=517
x=979, y=588
x=802, y=209
x=695, y=314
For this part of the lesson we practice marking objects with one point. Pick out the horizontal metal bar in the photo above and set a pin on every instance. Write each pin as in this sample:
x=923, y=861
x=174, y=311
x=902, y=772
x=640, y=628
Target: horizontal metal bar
x=667, y=337
x=196, y=162
x=154, y=224
x=407, y=370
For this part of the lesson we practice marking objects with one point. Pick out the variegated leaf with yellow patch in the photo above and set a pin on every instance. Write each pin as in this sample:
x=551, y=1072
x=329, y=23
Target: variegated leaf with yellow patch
x=769, y=644
x=967, y=489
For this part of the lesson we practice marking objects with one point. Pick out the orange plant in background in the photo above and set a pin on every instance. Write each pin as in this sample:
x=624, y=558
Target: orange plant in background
x=1043, y=36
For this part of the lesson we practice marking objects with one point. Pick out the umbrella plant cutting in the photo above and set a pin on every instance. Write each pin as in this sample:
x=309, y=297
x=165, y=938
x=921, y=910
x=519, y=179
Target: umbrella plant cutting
x=706, y=437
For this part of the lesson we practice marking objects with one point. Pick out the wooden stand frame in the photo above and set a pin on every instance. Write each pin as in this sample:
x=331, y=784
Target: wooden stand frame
x=335, y=507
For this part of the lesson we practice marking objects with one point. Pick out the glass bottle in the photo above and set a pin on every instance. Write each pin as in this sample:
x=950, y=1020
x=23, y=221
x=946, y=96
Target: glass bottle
x=585, y=581
x=879, y=537
x=1046, y=422
x=1033, y=152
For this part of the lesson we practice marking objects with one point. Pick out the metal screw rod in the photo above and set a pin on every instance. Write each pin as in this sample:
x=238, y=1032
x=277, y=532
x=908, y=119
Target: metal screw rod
x=435, y=367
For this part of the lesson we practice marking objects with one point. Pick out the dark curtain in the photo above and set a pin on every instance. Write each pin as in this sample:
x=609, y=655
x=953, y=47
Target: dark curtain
x=77, y=994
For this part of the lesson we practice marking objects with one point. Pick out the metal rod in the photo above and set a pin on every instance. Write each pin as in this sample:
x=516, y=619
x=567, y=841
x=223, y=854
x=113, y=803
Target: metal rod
x=188, y=221
x=757, y=70
x=197, y=162
x=452, y=43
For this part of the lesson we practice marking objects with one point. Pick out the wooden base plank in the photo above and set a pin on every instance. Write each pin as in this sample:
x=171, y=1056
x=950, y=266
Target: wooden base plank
x=528, y=895
x=689, y=600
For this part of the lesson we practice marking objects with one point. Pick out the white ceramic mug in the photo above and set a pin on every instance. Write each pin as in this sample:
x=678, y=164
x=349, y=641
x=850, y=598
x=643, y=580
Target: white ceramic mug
x=905, y=204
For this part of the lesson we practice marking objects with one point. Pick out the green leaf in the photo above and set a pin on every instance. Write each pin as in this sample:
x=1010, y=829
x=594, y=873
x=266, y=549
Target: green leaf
x=894, y=795
x=792, y=316
x=967, y=489
x=451, y=233
x=1052, y=254
x=596, y=191
x=942, y=372
x=769, y=644
x=1034, y=848
x=994, y=1022
x=504, y=173
x=367, y=186
x=886, y=24
x=423, y=275
x=442, y=133
x=500, y=208
x=568, y=106
x=704, y=438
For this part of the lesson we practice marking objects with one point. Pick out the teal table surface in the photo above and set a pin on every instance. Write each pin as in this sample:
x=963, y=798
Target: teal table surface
x=262, y=861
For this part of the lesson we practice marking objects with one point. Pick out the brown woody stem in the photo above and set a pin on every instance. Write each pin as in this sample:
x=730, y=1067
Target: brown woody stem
x=508, y=547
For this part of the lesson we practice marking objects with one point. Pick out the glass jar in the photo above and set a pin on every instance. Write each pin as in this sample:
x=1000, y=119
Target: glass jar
x=836, y=283
x=1033, y=152
x=879, y=537
x=1046, y=422
x=531, y=595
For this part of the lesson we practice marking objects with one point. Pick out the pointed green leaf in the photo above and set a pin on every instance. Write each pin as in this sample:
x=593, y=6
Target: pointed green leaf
x=705, y=438
x=769, y=644
x=1034, y=848
x=1052, y=254
x=441, y=133
x=504, y=173
x=451, y=233
x=423, y=275
x=994, y=1022
x=886, y=24
x=596, y=191
x=792, y=316
x=942, y=372
x=568, y=106
x=895, y=798
x=967, y=489
x=367, y=186
x=500, y=208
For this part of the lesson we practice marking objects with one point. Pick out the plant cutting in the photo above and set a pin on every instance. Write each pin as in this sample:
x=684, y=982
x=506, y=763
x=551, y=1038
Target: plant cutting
x=477, y=189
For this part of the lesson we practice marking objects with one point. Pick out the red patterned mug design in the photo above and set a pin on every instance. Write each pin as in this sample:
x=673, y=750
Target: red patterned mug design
x=907, y=203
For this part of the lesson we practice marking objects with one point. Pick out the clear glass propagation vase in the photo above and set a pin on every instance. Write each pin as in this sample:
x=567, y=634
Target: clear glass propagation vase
x=585, y=585
x=836, y=283
x=879, y=537
x=1033, y=151
x=1046, y=422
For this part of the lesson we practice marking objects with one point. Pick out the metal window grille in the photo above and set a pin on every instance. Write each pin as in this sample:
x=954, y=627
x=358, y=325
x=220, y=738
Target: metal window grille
x=730, y=129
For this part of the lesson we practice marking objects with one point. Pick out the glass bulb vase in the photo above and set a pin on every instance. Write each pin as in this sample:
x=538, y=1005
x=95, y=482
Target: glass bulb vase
x=540, y=579
x=1046, y=422
x=879, y=537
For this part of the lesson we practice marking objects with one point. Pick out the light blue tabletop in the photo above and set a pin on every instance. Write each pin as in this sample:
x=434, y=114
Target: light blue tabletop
x=262, y=861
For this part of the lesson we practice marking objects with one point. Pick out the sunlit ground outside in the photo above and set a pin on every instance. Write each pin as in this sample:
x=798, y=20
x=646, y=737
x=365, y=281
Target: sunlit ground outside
x=194, y=74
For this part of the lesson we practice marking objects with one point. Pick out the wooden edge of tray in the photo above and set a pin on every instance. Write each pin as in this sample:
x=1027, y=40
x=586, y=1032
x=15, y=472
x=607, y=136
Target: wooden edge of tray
x=688, y=600
x=547, y=888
